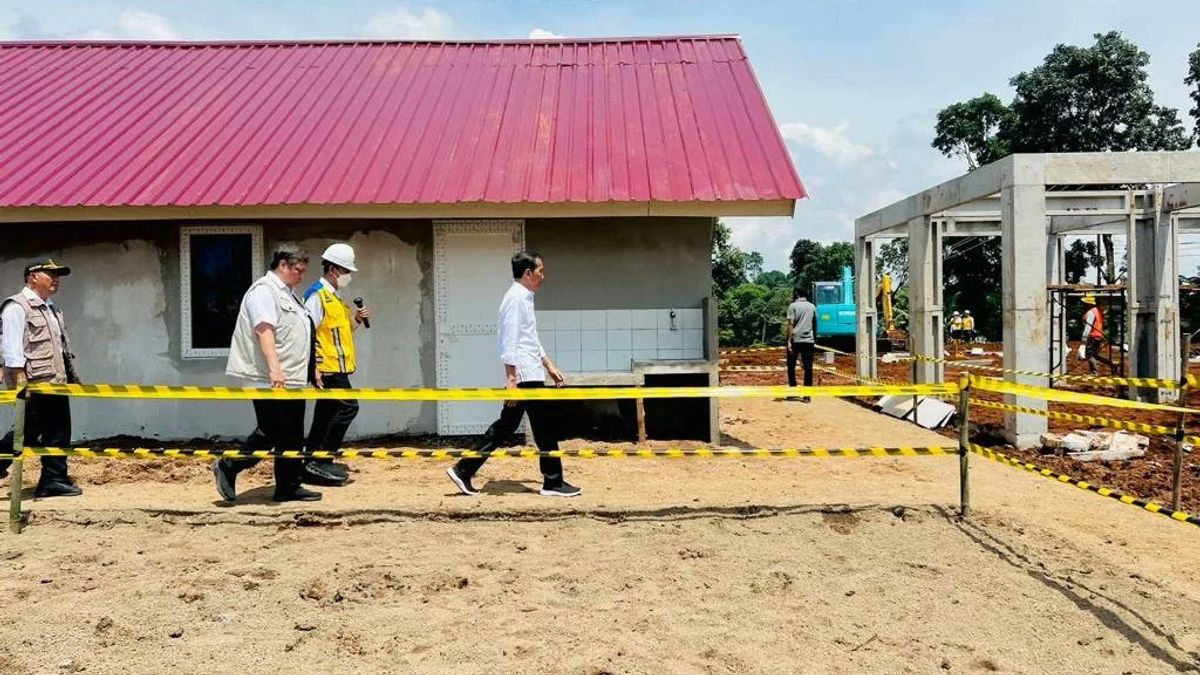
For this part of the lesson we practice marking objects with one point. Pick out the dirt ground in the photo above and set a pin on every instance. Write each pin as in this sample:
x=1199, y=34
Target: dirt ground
x=675, y=566
x=1149, y=477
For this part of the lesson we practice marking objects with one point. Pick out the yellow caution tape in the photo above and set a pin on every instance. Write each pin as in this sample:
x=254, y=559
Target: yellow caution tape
x=135, y=391
x=1145, y=382
x=1003, y=387
x=1083, y=419
x=752, y=369
x=751, y=350
x=425, y=453
x=1152, y=507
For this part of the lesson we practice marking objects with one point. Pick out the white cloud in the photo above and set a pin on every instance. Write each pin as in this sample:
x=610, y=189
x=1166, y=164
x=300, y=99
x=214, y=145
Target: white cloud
x=831, y=142
x=403, y=24
x=543, y=34
x=137, y=24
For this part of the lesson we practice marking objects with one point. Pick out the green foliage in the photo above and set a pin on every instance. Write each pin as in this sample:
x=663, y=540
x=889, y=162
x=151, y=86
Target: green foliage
x=969, y=130
x=1193, y=81
x=729, y=263
x=971, y=270
x=753, y=314
x=813, y=262
x=1091, y=99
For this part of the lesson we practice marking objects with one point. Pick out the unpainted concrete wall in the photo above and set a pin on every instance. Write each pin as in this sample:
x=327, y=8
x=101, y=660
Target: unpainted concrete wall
x=122, y=305
x=623, y=263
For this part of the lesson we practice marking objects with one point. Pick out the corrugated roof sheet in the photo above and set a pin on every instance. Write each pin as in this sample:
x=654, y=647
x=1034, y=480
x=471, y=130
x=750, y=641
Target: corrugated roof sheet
x=206, y=124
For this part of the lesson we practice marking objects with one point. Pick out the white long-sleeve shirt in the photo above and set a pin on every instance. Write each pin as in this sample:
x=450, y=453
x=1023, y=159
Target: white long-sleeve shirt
x=518, y=342
x=12, y=331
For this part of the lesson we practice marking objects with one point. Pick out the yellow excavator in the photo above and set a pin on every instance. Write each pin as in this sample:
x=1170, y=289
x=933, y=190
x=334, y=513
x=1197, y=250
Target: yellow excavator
x=897, y=339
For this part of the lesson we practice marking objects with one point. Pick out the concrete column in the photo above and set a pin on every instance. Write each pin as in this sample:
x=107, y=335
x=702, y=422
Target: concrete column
x=1026, y=260
x=1154, y=298
x=925, y=324
x=1057, y=257
x=866, y=364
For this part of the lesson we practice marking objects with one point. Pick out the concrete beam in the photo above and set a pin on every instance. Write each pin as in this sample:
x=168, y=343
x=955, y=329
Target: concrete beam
x=1182, y=196
x=969, y=228
x=1103, y=168
x=982, y=182
x=1027, y=261
x=1092, y=224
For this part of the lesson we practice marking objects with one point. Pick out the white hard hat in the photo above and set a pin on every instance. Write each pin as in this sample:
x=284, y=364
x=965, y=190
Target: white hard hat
x=956, y=314
x=341, y=255
x=968, y=311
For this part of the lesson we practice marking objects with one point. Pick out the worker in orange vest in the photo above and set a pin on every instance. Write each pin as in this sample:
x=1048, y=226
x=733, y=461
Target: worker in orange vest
x=1093, y=334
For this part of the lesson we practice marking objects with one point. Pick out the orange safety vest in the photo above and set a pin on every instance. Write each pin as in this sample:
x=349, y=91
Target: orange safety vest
x=1098, y=325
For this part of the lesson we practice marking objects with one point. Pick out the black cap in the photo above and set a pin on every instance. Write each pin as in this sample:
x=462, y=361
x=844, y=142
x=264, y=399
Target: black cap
x=47, y=265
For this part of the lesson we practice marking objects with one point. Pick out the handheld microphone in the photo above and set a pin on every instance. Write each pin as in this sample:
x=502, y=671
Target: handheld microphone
x=358, y=302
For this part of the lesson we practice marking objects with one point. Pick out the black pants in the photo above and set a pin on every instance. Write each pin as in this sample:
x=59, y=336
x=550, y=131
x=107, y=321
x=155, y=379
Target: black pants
x=47, y=425
x=1092, y=351
x=280, y=427
x=331, y=418
x=805, y=350
x=545, y=436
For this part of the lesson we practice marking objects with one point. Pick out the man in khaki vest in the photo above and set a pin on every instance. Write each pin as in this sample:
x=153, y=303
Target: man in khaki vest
x=272, y=346
x=33, y=343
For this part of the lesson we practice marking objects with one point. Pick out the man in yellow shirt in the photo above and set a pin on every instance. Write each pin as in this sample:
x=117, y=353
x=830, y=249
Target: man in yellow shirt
x=335, y=325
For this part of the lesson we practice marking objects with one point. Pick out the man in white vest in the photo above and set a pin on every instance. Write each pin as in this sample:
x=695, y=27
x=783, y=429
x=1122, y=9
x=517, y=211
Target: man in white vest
x=33, y=335
x=272, y=346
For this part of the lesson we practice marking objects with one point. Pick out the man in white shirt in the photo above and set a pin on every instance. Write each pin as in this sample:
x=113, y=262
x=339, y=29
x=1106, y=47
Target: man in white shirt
x=526, y=366
x=272, y=346
x=34, y=348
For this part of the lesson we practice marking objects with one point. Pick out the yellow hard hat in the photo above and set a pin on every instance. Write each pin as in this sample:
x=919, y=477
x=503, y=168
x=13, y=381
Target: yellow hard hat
x=1089, y=299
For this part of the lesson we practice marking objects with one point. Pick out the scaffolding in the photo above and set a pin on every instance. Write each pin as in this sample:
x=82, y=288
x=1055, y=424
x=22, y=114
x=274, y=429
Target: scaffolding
x=1116, y=307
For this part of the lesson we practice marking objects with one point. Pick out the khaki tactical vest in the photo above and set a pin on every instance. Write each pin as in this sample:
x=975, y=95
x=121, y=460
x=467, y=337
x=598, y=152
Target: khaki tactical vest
x=44, y=340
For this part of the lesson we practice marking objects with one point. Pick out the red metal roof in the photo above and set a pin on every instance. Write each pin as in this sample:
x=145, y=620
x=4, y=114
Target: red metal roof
x=677, y=119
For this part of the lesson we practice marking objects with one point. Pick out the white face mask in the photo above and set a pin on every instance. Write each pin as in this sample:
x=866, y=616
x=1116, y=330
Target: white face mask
x=344, y=280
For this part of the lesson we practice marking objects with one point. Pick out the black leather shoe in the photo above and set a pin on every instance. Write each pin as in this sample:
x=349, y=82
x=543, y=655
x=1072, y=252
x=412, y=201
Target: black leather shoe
x=316, y=473
x=58, y=488
x=226, y=479
x=297, y=494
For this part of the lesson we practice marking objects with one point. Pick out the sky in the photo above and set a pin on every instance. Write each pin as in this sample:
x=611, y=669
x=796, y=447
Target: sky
x=855, y=85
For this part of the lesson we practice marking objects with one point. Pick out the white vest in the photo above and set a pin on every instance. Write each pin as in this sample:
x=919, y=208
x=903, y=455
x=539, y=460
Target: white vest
x=293, y=340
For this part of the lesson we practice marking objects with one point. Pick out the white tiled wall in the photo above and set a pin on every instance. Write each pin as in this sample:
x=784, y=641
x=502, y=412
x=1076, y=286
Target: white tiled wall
x=610, y=340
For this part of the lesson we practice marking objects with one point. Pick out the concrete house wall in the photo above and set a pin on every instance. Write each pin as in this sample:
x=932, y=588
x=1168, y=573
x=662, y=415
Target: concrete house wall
x=122, y=304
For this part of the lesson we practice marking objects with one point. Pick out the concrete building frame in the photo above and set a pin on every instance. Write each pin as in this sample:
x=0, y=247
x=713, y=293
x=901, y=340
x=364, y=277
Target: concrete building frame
x=1033, y=201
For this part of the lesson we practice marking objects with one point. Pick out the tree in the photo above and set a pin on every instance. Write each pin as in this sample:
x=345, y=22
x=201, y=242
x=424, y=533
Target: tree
x=972, y=281
x=820, y=262
x=1079, y=258
x=753, y=314
x=729, y=263
x=892, y=259
x=1193, y=81
x=1090, y=99
x=774, y=279
x=803, y=253
x=969, y=130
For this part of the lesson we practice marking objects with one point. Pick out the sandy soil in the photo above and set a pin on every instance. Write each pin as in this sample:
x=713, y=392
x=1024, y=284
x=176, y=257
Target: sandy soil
x=676, y=566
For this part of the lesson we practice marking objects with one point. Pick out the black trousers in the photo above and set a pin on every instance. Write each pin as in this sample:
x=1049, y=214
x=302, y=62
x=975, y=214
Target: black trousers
x=331, y=418
x=545, y=436
x=1092, y=351
x=47, y=424
x=805, y=351
x=280, y=427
